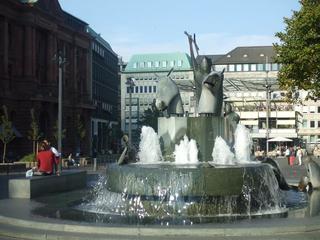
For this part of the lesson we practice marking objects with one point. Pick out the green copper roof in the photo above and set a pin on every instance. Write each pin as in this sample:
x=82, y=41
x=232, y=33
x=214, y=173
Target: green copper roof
x=161, y=62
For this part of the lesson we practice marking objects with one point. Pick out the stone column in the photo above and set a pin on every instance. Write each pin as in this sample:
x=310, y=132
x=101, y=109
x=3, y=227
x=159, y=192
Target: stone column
x=52, y=64
x=5, y=47
x=28, y=51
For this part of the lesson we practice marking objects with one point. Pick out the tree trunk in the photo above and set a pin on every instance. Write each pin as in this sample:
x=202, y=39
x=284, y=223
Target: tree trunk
x=4, y=152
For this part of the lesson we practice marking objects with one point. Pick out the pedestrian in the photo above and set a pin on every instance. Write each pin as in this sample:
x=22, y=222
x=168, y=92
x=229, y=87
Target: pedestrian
x=287, y=153
x=292, y=156
x=299, y=155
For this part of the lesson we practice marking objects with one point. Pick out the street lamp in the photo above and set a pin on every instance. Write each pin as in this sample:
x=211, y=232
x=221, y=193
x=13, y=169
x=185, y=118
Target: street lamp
x=268, y=86
x=130, y=82
x=61, y=60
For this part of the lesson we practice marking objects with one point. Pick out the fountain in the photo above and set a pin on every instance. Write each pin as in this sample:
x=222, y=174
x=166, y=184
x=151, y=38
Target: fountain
x=189, y=171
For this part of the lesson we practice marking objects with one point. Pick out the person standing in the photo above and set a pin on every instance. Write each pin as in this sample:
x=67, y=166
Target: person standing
x=299, y=155
x=287, y=153
x=292, y=156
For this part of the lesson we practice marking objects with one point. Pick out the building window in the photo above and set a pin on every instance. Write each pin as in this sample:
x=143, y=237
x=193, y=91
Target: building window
x=179, y=63
x=253, y=67
x=141, y=64
x=231, y=68
x=318, y=124
x=145, y=89
x=154, y=89
x=164, y=64
x=149, y=64
x=128, y=89
x=137, y=89
x=312, y=124
x=239, y=67
x=156, y=64
x=245, y=67
x=171, y=63
x=260, y=67
x=150, y=89
x=318, y=109
x=141, y=89
x=304, y=123
x=312, y=138
x=274, y=67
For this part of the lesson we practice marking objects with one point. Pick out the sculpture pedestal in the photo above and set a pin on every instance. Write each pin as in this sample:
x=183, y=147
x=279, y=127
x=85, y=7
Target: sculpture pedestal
x=202, y=129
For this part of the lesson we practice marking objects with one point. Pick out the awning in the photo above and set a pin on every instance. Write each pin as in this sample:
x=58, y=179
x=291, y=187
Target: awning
x=280, y=139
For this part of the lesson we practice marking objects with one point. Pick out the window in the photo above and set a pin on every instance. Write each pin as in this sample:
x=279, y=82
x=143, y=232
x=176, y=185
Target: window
x=312, y=124
x=253, y=67
x=154, y=89
x=318, y=109
x=239, y=67
x=245, y=67
x=179, y=63
x=231, y=68
x=172, y=63
x=312, y=138
x=150, y=89
x=268, y=66
x=260, y=67
x=141, y=64
x=164, y=64
x=128, y=89
x=274, y=67
x=137, y=89
x=156, y=64
x=145, y=89
x=318, y=124
x=149, y=64
x=141, y=89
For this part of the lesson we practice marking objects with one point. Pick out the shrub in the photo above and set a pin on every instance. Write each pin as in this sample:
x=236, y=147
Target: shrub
x=28, y=158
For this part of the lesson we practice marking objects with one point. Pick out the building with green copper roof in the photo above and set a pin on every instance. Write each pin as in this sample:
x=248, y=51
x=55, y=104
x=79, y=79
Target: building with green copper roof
x=162, y=62
x=146, y=69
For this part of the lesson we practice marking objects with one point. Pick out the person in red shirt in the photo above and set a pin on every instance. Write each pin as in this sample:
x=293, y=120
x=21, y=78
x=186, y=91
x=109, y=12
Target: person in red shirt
x=46, y=160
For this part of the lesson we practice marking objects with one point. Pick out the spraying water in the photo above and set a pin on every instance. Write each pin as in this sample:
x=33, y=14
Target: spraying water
x=221, y=153
x=149, y=147
x=186, y=152
x=243, y=144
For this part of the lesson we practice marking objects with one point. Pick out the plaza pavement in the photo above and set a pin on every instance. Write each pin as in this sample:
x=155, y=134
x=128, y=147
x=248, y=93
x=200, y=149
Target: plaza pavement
x=17, y=222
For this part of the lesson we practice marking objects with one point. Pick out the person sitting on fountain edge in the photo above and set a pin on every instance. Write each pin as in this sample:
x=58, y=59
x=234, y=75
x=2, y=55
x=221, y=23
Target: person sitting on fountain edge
x=46, y=160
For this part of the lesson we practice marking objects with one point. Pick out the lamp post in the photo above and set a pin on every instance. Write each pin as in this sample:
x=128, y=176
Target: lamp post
x=130, y=82
x=268, y=86
x=61, y=60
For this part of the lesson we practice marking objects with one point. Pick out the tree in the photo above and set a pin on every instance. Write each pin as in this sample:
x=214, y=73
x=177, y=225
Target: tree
x=299, y=51
x=56, y=133
x=34, y=132
x=81, y=130
x=150, y=117
x=6, y=132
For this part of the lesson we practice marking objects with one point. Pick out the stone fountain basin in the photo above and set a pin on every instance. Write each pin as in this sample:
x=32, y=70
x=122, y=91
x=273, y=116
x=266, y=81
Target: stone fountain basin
x=196, y=180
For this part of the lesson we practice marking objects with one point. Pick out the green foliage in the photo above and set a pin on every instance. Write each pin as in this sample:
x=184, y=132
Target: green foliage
x=28, y=158
x=6, y=133
x=81, y=131
x=299, y=51
x=34, y=132
x=150, y=117
x=55, y=132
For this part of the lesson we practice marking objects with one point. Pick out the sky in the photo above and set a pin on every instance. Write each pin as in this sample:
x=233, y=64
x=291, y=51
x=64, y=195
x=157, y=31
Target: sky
x=148, y=26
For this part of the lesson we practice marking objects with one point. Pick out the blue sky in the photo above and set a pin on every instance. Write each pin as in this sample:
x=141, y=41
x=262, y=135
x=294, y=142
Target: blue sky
x=146, y=26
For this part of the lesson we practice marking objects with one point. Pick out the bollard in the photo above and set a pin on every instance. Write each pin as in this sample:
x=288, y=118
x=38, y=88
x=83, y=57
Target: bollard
x=94, y=164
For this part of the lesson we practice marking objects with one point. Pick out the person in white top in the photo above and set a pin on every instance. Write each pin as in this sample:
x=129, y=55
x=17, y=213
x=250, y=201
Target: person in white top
x=299, y=155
